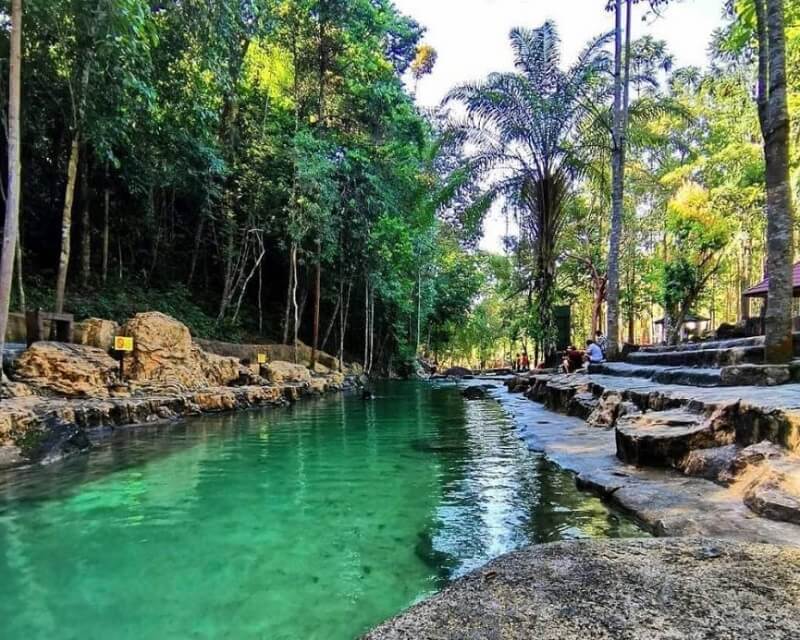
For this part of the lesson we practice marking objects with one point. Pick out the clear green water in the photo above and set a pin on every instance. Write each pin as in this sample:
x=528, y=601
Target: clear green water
x=315, y=522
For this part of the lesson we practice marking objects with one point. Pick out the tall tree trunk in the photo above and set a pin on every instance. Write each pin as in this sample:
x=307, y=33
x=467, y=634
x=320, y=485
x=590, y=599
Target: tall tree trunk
x=66, y=223
x=72, y=169
x=11, y=225
x=289, y=288
x=86, y=228
x=294, y=299
x=774, y=119
x=106, y=226
x=366, y=322
x=317, y=300
x=419, y=306
x=618, y=137
x=18, y=269
x=344, y=311
x=334, y=317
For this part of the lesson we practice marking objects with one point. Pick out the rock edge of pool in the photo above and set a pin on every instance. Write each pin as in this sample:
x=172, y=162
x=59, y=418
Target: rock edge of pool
x=640, y=588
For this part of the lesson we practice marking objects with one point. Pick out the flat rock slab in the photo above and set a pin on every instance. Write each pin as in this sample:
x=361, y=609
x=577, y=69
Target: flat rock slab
x=626, y=590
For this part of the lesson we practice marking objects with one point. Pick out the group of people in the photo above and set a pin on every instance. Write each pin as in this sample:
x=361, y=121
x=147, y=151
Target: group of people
x=595, y=353
x=521, y=362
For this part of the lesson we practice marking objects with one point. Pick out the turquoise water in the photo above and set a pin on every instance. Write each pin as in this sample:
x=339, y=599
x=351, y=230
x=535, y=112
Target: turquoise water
x=315, y=522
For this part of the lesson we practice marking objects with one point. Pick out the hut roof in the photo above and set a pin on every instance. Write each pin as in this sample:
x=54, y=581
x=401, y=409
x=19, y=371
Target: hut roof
x=760, y=290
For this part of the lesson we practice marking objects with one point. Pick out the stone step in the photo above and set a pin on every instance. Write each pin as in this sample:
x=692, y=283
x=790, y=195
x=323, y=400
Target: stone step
x=756, y=341
x=689, y=376
x=732, y=343
x=709, y=358
x=665, y=438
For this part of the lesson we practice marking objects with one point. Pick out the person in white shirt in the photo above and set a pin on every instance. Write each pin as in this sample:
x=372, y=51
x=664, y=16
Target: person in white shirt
x=594, y=354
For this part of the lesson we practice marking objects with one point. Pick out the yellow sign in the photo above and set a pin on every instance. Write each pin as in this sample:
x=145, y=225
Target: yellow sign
x=123, y=343
x=262, y=358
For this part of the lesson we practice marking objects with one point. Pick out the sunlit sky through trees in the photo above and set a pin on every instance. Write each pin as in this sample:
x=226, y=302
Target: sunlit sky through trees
x=471, y=37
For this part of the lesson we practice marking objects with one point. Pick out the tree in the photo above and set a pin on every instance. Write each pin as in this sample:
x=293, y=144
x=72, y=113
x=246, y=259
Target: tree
x=618, y=148
x=11, y=225
x=524, y=134
x=423, y=64
x=699, y=232
x=773, y=117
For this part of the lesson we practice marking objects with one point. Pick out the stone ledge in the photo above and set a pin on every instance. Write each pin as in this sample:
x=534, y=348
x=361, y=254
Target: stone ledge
x=633, y=589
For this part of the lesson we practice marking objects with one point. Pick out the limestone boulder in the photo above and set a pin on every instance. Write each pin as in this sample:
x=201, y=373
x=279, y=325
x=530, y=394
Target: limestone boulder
x=610, y=408
x=280, y=372
x=711, y=464
x=218, y=370
x=67, y=369
x=164, y=353
x=96, y=332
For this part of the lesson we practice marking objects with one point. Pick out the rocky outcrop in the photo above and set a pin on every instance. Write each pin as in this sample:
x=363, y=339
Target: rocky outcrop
x=279, y=372
x=66, y=369
x=96, y=332
x=164, y=353
x=614, y=589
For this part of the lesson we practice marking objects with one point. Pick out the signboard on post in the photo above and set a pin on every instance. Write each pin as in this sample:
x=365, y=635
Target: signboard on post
x=123, y=343
x=262, y=358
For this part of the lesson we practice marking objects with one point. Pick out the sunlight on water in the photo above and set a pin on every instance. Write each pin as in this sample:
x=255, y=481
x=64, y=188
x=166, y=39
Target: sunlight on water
x=315, y=522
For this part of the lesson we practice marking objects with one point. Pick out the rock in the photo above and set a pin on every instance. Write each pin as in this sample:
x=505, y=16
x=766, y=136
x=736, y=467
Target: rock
x=651, y=589
x=776, y=495
x=457, y=372
x=218, y=370
x=749, y=456
x=477, y=392
x=582, y=405
x=67, y=369
x=96, y=332
x=609, y=409
x=710, y=464
x=665, y=438
x=58, y=440
x=15, y=390
x=519, y=384
x=764, y=375
x=280, y=372
x=164, y=353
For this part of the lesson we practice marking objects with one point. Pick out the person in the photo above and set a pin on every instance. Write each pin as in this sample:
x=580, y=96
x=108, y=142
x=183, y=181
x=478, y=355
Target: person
x=573, y=359
x=601, y=341
x=517, y=363
x=526, y=365
x=594, y=355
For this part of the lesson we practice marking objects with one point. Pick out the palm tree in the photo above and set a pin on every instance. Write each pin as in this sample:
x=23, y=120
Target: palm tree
x=522, y=134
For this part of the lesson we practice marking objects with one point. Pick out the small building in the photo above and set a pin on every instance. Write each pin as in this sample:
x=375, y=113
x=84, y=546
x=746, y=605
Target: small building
x=761, y=290
x=693, y=326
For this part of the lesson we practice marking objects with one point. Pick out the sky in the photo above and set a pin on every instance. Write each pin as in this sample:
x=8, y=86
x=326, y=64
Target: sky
x=471, y=38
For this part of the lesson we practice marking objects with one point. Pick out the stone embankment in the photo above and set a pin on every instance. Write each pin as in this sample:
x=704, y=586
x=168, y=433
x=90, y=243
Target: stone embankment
x=686, y=461
x=65, y=397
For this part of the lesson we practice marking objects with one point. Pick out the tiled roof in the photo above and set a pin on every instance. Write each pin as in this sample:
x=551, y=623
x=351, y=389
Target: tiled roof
x=760, y=290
